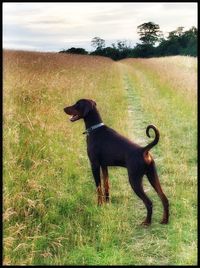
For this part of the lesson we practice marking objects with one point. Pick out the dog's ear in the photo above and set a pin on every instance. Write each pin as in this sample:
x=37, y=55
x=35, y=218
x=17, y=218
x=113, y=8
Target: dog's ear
x=94, y=103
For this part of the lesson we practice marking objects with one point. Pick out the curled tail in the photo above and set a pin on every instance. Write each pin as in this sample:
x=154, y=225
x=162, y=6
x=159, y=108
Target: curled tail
x=155, y=141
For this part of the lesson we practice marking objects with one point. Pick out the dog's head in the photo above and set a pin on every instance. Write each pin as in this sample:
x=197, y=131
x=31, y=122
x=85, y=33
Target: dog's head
x=80, y=109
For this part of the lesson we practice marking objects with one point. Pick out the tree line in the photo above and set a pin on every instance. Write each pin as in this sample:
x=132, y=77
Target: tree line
x=152, y=44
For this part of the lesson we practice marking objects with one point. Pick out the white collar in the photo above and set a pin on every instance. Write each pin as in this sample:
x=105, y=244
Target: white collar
x=88, y=130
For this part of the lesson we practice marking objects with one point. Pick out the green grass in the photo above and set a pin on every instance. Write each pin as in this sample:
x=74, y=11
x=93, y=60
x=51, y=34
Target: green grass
x=176, y=118
x=50, y=211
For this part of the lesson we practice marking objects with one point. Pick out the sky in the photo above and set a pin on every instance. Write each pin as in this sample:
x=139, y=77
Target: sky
x=56, y=26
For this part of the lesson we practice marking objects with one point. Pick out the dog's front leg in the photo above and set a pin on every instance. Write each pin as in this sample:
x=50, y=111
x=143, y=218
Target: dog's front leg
x=97, y=178
x=106, y=183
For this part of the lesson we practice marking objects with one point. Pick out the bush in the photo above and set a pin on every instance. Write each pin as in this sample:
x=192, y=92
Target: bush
x=75, y=50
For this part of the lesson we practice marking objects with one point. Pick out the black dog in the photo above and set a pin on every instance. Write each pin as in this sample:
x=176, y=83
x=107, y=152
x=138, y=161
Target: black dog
x=105, y=147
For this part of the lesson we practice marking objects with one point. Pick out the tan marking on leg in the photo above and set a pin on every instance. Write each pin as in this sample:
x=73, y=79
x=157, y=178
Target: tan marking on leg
x=99, y=195
x=147, y=157
x=106, y=185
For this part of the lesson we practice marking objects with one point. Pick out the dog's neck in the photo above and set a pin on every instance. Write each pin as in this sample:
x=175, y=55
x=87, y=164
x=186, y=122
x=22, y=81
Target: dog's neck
x=92, y=118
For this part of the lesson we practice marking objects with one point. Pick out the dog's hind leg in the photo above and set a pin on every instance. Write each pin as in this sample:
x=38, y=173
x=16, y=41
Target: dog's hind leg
x=135, y=179
x=106, y=182
x=154, y=180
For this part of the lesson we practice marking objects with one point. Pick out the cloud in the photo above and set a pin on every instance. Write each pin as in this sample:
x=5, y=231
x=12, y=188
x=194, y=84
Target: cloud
x=53, y=25
x=60, y=21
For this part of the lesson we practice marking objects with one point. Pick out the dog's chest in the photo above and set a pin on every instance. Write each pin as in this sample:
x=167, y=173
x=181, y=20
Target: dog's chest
x=92, y=144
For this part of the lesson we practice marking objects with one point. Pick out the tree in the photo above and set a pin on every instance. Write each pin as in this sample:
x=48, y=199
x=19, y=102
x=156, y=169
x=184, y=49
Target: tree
x=122, y=45
x=176, y=34
x=98, y=43
x=149, y=33
x=110, y=52
x=179, y=42
x=143, y=51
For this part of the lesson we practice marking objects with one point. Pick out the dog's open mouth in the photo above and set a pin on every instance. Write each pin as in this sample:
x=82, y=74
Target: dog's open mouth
x=74, y=114
x=74, y=117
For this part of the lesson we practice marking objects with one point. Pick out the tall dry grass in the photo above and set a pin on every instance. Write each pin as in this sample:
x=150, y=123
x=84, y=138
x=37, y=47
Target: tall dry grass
x=179, y=72
x=45, y=164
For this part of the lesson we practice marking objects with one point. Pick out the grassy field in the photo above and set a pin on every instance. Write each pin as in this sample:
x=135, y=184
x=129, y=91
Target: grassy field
x=49, y=197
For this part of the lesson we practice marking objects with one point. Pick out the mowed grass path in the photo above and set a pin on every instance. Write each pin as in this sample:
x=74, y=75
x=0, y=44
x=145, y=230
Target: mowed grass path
x=50, y=212
x=171, y=105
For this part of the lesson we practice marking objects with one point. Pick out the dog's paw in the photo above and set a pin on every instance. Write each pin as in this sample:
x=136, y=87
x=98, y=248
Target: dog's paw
x=145, y=223
x=164, y=221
